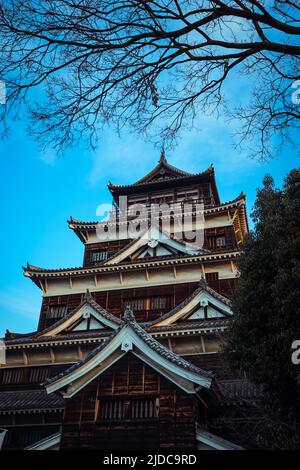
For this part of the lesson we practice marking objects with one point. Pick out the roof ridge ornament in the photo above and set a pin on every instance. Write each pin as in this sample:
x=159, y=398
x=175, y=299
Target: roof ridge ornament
x=203, y=282
x=128, y=316
x=88, y=295
x=163, y=155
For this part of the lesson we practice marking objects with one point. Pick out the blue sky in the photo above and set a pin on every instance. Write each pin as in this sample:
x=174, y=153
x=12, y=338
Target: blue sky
x=39, y=191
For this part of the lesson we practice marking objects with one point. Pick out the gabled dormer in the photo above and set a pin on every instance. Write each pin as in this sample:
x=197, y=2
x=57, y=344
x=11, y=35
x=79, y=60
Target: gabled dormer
x=88, y=316
x=130, y=338
x=203, y=304
x=153, y=243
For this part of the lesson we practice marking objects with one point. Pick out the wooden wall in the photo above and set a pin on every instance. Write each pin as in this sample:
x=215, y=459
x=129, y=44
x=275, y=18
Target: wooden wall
x=210, y=236
x=173, y=425
x=111, y=247
x=19, y=437
x=28, y=377
x=115, y=301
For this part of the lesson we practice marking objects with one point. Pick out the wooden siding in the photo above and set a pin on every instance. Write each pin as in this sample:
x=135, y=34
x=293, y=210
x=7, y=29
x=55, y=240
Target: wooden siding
x=28, y=376
x=22, y=436
x=130, y=378
x=210, y=236
x=115, y=301
x=111, y=247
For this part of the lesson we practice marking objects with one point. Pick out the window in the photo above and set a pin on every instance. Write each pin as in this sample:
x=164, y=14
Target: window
x=136, y=304
x=38, y=374
x=149, y=303
x=212, y=276
x=12, y=376
x=214, y=241
x=221, y=241
x=128, y=409
x=24, y=375
x=158, y=303
x=101, y=255
x=56, y=311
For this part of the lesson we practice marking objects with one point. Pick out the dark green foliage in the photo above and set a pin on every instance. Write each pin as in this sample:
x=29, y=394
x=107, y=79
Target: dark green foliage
x=267, y=310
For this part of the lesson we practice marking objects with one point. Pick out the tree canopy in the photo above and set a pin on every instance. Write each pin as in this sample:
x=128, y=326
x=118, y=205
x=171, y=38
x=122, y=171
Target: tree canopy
x=266, y=309
x=142, y=62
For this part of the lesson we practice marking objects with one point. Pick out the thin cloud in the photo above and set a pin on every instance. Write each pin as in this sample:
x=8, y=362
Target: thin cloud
x=22, y=306
x=48, y=156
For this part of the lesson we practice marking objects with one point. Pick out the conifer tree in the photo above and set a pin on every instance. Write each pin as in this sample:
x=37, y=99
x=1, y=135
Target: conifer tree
x=267, y=310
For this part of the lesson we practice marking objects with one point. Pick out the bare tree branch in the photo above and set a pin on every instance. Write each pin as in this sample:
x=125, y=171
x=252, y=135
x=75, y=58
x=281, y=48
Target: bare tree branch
x=151, y=64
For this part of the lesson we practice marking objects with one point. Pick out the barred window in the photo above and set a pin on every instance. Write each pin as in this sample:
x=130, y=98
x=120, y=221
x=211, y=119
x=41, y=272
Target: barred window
x=149, y=303
x=212, y=276
x=214, y=241
x=158, y=303
x=38, y=374
x=128, y=409
x=101, y=255
x=221, y=241
x=12, y=376
x=137, y=304
x=23, y=375
x=56, y=311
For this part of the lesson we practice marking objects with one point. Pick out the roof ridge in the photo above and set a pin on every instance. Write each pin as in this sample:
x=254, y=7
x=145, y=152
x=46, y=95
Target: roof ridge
x=183, y=175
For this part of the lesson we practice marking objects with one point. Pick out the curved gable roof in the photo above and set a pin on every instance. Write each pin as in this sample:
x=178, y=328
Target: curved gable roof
x=131, y=337
x=162, y=170
x=105, y=317
x=182, y=309
x=154, y=233
x=165, y=173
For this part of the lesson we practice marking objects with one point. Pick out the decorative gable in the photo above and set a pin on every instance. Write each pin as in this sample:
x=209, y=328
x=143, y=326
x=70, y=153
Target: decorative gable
x=204, y=303
x=154, y=248
x=163, y=170
x=86, y=317
x=205, y=312
x=131, y=338
x=208, y=307
x=89, y=320
x=153, y=242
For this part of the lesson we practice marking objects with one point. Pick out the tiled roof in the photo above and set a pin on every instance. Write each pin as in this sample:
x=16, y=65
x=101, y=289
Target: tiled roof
x=147, y=338
x=231, y=385
x=163, y=165
x=61, y=337
x=184, y=245
x=22, y=400
x=37, y=271
x=176, y=177
x=209, y=324
x=9, y=335
x=84, y=360
x=165, y=352
x=149, y=326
